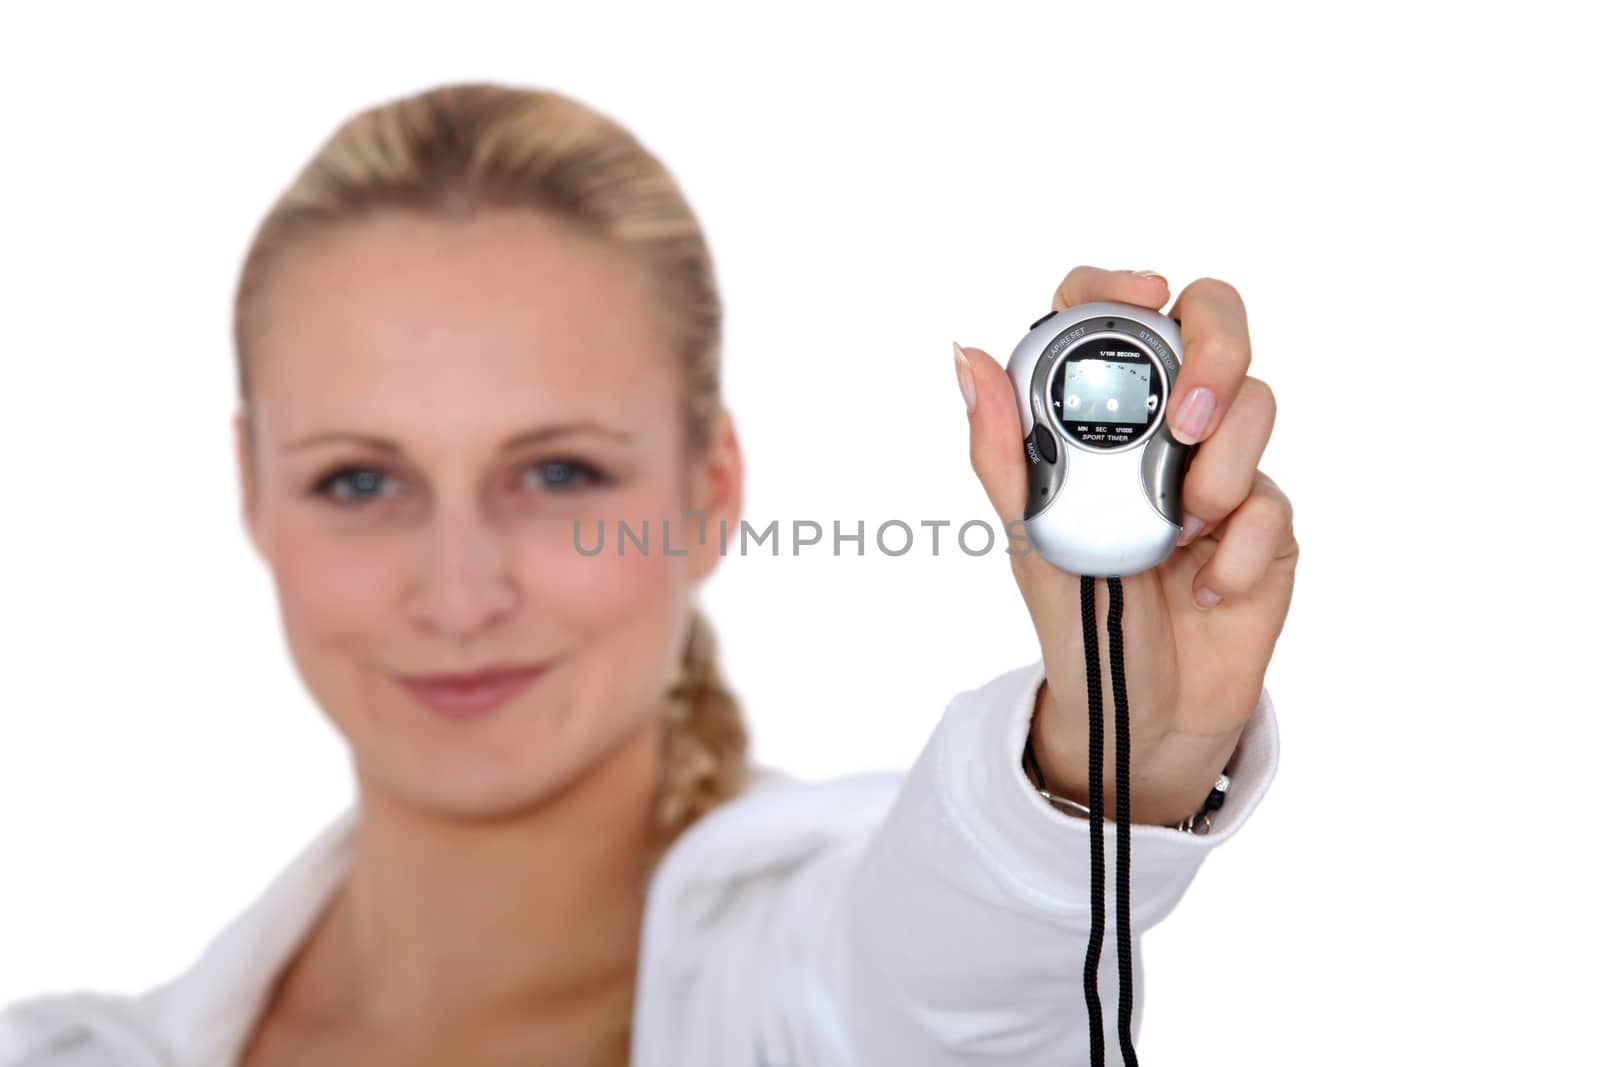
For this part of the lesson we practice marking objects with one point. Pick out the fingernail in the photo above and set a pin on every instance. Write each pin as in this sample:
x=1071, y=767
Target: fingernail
x=969, y=391
x=1191, y=526
x=1206, y=598
x=1194, y=414
x=1149, y=274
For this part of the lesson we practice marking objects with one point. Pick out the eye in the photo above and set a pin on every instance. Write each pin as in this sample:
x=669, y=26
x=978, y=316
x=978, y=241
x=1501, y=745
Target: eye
x=564, y=475
x=354, y=485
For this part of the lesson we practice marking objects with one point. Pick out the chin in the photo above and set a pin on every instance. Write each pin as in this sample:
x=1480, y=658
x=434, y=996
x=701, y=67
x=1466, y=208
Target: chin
x=526, y=753
x=464, y=780
x=467, y=796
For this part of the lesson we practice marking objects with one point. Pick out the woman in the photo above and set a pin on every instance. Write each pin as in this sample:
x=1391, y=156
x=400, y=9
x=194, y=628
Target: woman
x=433, y=328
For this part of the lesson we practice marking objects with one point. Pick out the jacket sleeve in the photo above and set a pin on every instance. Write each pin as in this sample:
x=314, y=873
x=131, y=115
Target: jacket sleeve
x=956, y=933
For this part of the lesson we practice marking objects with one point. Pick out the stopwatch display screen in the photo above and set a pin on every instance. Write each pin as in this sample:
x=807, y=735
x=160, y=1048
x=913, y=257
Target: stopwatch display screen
x=1102, y=390
x=1105, y=392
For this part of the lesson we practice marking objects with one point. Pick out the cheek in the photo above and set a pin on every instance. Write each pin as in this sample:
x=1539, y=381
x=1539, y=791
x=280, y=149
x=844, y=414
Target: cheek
x=331, y=589
x=622, y=621
x=609, y=598
x=592, y=576
x=619, y=613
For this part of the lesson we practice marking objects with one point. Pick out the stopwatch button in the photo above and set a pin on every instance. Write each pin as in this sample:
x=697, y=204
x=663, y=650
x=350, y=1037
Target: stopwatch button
x=1045, y=319
x=1045, y=442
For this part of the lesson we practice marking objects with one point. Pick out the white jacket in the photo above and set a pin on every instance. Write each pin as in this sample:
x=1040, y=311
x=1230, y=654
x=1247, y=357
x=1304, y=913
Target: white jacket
x=932, y=919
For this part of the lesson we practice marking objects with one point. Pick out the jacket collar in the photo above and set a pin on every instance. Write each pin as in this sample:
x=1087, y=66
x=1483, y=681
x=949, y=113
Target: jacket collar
x=211, y=1008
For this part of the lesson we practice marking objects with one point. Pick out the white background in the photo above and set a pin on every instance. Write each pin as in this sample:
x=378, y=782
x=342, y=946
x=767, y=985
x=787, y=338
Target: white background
x=1403, y=194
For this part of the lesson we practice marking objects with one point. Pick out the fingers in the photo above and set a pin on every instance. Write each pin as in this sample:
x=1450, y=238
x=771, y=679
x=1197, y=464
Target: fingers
x=1257, y=534
x=1223, y=471
x=1216, y=354
x=1085, y=284
x=1216, y=338
x=995, y=431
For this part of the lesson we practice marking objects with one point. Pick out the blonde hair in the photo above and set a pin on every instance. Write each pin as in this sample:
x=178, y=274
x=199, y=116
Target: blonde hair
x=456, y=149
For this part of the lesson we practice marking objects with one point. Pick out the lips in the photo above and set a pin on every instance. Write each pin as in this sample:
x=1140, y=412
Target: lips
x=464, y=696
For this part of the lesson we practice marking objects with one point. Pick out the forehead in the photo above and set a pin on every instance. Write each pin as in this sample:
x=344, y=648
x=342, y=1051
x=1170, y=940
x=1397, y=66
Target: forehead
x=401, y=324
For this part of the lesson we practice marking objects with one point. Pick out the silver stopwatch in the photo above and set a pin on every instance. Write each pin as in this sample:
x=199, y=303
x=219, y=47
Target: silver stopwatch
x=1105, y=476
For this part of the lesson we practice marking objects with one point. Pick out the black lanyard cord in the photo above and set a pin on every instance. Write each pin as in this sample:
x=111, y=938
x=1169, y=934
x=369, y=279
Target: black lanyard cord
x=1097, y=861
x=1097, y=847
x=1119, y=696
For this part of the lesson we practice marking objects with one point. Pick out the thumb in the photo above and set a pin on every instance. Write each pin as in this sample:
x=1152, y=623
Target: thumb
x=996, y=431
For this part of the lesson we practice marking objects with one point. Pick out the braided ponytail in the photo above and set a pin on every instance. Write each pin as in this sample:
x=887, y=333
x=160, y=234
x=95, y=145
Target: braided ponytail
x=705, y=758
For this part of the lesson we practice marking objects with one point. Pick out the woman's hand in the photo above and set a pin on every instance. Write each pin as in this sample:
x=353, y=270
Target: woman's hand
x=1194, y=669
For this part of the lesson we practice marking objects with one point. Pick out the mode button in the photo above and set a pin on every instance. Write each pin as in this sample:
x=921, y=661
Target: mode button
x=1044, y=442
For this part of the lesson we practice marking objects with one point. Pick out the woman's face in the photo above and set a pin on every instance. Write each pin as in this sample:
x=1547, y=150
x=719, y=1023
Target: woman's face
x=437, y=403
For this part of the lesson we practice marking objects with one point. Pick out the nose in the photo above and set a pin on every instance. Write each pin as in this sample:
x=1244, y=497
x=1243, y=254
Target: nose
x=467, y=585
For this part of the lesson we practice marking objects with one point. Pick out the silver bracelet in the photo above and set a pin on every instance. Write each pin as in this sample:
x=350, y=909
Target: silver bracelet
x=1200, y=821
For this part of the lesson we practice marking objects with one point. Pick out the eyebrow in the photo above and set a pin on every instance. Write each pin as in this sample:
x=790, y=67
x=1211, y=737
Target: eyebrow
x=527, y=437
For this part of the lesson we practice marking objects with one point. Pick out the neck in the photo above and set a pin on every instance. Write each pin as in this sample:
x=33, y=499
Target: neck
x=445, y=922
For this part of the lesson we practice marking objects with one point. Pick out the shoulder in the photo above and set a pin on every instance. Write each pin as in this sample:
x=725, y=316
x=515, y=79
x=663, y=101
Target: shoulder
x=780, y=819
x=715, y=901
x=778, y=825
